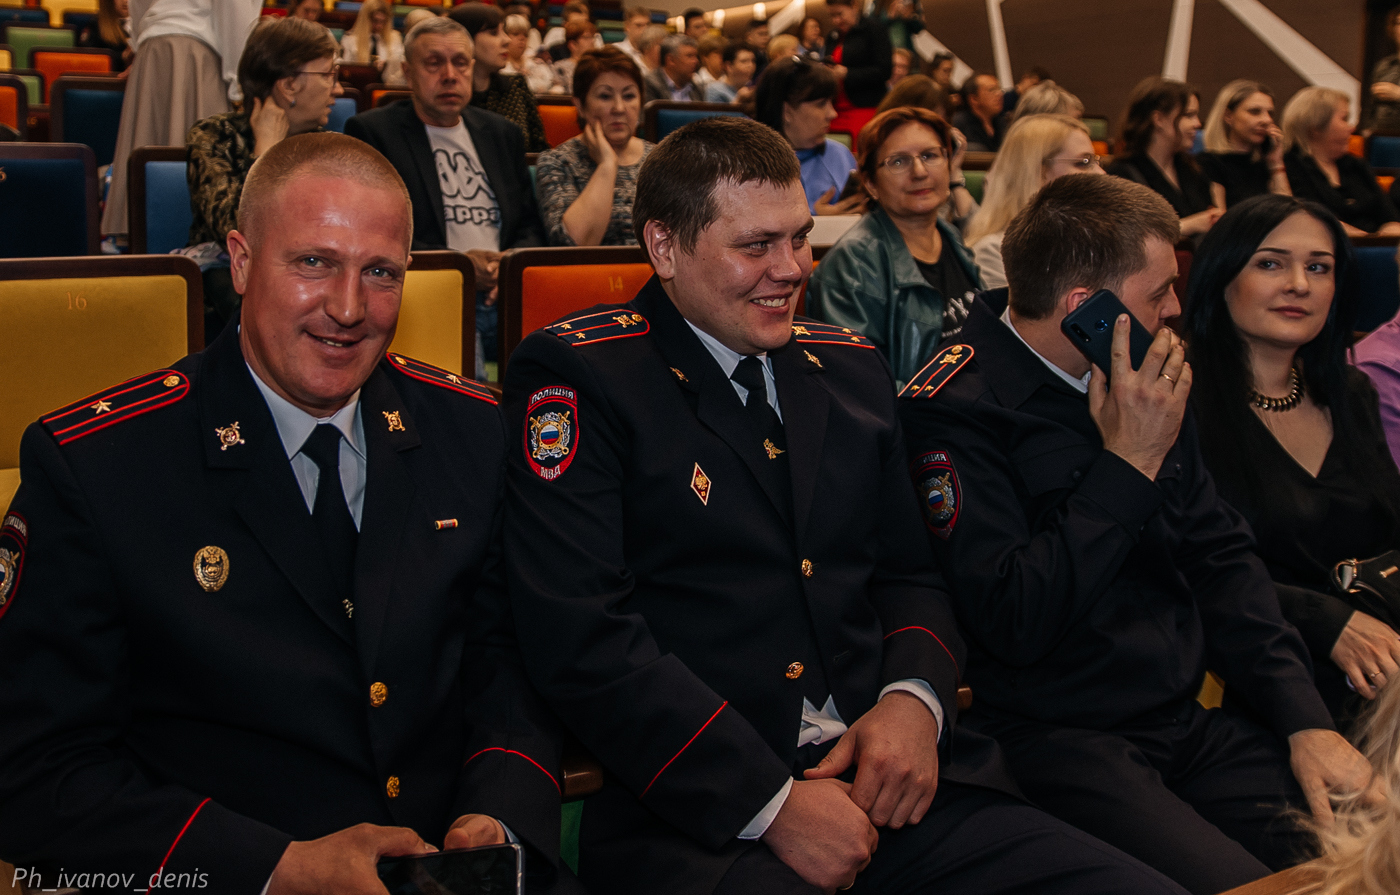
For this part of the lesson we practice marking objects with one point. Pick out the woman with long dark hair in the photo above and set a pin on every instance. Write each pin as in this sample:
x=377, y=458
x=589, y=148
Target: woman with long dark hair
x=1158, y=131
x=1291, y=433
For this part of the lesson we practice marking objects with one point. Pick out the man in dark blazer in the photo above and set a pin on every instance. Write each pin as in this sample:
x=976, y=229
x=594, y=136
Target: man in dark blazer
x=253, y=635
x=730, y=600
x=673, y=80
x=438, y=141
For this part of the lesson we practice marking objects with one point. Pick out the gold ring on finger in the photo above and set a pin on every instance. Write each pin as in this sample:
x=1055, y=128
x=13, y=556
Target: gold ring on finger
x=1169, y=379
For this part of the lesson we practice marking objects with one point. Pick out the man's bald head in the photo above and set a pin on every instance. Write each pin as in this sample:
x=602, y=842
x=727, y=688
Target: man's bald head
x=316, y=154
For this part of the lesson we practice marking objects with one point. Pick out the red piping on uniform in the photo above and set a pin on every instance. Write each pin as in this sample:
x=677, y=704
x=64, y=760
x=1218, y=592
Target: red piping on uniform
x=929, y=633
x=145, y=381
x=522, y=755
x=683, y=748
x=161, y=868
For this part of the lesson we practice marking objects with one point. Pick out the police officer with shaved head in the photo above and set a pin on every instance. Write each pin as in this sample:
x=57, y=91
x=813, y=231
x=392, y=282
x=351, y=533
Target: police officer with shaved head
x=255, y=638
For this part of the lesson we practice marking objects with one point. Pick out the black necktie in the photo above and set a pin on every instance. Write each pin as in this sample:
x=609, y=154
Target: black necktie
x=330, y=512
x=770, y=443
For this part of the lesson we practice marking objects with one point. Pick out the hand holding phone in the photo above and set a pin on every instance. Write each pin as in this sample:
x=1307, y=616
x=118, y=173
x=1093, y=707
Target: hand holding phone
x=1137, y=396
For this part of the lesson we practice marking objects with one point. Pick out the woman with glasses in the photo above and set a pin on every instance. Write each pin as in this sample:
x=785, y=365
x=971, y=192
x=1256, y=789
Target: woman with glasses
x=1037, y=149
x=901, y=276
x=288, y=74
x=1244, y=147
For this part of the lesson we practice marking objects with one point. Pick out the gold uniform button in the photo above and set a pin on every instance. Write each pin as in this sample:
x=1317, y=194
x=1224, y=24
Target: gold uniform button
x=392, y=787
x=807, y=568
x=378, y=693
x=794, y=671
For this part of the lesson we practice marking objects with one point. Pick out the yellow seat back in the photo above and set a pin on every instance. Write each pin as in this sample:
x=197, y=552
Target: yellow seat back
x=74, y=326
x=437, y=320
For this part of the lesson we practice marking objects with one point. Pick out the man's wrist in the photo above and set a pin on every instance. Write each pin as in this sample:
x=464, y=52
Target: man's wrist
x=764, y=819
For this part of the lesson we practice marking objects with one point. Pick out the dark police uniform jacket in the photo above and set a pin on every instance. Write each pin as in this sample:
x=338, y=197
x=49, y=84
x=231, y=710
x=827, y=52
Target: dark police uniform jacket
x=669, y=604
x=148, y=723
x=1090, y=596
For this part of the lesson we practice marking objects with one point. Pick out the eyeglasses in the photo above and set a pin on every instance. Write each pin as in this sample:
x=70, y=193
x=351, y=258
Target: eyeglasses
x=902, y=162
x=1081, y=162
x=329, y=75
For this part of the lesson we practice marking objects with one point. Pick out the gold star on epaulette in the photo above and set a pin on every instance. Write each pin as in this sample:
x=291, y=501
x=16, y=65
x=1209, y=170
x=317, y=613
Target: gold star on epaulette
x=102, y=406
x=581, y=336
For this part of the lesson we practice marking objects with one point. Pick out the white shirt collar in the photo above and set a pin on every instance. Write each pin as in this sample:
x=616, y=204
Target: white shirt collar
x=727, y=357
x=1078, y=384
x=295, y=425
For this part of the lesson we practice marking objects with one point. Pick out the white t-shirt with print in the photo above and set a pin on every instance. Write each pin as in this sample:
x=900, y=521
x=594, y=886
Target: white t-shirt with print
x=469, y=205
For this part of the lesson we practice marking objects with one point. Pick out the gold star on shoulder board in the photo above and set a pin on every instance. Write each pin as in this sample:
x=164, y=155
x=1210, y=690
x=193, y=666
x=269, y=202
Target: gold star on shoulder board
x=772, y=449
x=813, y=358
x=102, y=406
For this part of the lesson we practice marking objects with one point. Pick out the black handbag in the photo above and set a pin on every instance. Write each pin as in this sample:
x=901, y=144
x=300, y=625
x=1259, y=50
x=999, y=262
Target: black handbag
x=1371, y=585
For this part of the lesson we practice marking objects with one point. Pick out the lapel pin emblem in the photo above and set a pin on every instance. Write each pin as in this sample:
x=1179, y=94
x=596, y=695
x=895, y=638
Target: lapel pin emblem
x=102, y=406
x=229, y=436
x=679, y=375
x=772, y=449
x=445, y=523
x=700, y=484
x=211, y=568
x=813, y=358
x=394, y=420
x=349, y=608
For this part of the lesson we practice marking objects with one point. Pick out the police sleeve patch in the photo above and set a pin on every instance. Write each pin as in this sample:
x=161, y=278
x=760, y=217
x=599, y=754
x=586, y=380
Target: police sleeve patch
x=939, y=492
x=551, y=431
x=14, y=534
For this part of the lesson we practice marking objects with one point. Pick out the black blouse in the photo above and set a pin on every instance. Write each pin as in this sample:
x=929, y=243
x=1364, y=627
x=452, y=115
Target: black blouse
x=1306, y=525
x=1358, y=200
x=1242, y=175
x=1193, y=194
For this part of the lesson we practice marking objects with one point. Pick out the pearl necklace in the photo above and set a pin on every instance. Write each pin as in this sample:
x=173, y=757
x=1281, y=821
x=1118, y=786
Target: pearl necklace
x=1279, y=405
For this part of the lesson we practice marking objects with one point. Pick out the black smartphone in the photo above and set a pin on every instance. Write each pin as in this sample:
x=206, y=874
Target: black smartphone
x=490, y=870
x=1090, y=328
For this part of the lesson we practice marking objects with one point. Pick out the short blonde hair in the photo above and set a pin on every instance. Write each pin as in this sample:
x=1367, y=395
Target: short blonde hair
x=1307, y=113
x=1017, y=174
x=1048, y=98
x=1217, y=133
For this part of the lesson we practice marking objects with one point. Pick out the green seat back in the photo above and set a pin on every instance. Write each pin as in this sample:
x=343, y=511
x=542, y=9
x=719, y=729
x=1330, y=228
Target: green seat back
x=976, y=180
x=23, y=39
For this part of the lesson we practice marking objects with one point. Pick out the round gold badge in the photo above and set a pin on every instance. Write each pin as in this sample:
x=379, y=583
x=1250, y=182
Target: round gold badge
x=211, y=568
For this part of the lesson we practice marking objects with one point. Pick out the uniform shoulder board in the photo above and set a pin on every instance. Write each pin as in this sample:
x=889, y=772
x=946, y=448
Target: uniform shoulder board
x=117, y=404
x=810, y=332
x=600, y=326
x=937, y=372
x=416, y=369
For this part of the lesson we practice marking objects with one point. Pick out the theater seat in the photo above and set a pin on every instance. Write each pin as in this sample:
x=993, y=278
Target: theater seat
x=1383, y=150
x=48, y=200
x=89, y=111
x=660, y=116
x=1378, y=279
x=54, y=61
x=540, y=285
x=158, y=208
x=437, y=320
x=345, y=108
x=23, y=37
x=560, y=118
x=14, y=104
x=74, y=326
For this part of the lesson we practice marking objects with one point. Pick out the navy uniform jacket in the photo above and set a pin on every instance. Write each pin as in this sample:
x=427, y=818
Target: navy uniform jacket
x=147, y=722
x=398, y=133
x=664, y=600
x=1090, y=597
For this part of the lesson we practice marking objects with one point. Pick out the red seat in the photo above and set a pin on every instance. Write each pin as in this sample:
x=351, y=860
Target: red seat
x=75, y=60
x=560, y=118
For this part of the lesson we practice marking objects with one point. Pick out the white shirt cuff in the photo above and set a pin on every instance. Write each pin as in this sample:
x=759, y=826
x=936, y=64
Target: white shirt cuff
x=761, y=821
x=921, y=689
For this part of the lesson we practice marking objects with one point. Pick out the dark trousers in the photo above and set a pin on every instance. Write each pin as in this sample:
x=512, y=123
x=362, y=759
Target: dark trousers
x=973, y=841
x=1204, y=798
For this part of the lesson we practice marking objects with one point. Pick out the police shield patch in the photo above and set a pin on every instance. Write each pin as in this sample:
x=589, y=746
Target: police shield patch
x=551, y=431
x=14, y=533
x=939, y=493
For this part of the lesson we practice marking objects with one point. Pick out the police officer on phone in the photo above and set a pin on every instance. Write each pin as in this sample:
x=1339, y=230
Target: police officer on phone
x=1096, y=574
